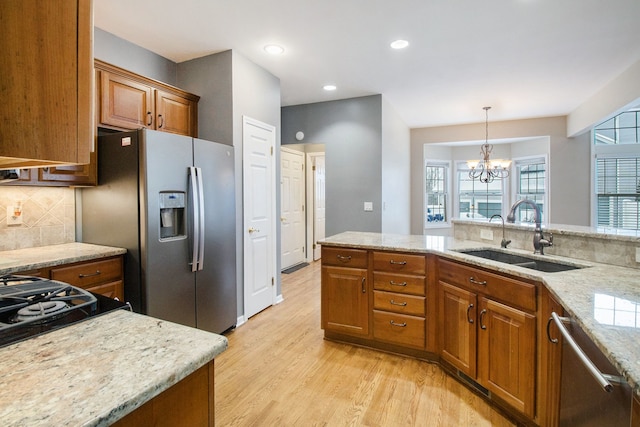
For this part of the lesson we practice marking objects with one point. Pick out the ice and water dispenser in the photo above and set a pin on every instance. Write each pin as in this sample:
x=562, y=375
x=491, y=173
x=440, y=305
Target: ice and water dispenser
x=172, y=215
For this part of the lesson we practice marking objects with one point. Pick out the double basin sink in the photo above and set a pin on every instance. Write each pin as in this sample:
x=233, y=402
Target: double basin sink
x=521, y=260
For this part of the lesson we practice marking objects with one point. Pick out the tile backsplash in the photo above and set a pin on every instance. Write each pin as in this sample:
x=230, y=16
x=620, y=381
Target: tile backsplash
x=48, y=216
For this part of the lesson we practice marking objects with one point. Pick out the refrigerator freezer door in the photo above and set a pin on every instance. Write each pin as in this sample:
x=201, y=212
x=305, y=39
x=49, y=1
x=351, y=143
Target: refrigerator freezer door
x=216, y=302
x=168, y=288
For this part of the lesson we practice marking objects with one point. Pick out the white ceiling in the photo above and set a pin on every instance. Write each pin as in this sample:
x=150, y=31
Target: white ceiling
x=525, y=58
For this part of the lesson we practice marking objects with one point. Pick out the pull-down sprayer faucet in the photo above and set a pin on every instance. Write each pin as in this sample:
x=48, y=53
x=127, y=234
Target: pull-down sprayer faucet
x=539, y=242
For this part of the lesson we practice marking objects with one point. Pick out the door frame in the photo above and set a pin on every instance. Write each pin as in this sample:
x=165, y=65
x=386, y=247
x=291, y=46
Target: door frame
x=311, y=202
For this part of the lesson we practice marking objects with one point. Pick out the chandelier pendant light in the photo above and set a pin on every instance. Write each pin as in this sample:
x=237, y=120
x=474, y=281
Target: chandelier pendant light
x=486, y=170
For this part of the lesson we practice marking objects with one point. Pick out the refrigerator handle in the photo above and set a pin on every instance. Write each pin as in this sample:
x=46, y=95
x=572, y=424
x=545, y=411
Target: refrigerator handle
x=202, y=227
x=195, y=212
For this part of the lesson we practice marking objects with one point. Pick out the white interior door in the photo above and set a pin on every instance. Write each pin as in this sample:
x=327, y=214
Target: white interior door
x=318, y=204
x=292, y=207
x=258, y=142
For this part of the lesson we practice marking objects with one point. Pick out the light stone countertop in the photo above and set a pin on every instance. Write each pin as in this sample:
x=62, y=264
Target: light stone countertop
x=584, y=293
x=49, y=256
x=96, y=371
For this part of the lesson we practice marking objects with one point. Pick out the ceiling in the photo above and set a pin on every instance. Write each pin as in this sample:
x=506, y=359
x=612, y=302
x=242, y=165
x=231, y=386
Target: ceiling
x=525, y=58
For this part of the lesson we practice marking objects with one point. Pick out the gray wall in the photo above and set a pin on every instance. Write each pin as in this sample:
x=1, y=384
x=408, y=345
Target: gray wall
x=351, y=131
x=569, y=163
x=230, y=87
x=124, y=54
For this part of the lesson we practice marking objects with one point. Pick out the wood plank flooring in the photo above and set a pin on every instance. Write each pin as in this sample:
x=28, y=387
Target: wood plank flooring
x=279, y=371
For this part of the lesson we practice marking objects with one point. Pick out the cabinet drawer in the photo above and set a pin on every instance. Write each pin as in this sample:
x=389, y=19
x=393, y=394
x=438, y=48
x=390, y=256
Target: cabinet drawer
x=399, y=329
x=399, y=283
x=399, y=262
x=86, y=274
x=498, y=287
x=344, y=257
x=399, y=303
x=113, y=290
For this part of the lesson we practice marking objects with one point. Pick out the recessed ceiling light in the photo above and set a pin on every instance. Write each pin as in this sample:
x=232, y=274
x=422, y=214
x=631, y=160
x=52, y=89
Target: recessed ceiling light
x=329, y=87
x=399, y=44
x=274, y=49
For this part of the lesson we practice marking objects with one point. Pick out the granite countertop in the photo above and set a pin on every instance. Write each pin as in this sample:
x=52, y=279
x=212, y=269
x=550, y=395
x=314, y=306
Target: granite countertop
x=95, y=372
x=601, y=298
x=49, y=256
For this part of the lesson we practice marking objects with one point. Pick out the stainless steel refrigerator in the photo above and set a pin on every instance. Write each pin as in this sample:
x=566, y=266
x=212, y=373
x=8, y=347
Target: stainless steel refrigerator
x=170, y=201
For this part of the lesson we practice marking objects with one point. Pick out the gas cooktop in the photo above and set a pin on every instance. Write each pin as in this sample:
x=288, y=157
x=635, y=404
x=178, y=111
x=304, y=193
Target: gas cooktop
x=30, y=306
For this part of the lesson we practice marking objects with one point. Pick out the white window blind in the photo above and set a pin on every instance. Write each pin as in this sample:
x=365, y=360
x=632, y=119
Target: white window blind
x=618, y=192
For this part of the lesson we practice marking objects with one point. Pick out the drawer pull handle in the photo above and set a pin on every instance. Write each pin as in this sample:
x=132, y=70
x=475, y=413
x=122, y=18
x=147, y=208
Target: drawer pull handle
x=344, y=258
x=469, y=319
x=400, y=325
x=97, y=273
x=401, y=304
x=477, y=282
x=392, y=262
x=392, y=283
x=482, y=313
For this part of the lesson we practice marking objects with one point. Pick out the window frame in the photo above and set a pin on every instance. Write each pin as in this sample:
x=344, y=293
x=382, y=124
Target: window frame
x=462, y=167
x=515, y=177
x=447, y=194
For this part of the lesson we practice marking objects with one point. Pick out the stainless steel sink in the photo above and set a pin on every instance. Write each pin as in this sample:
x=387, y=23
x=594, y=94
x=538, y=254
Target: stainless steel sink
x=521, y=260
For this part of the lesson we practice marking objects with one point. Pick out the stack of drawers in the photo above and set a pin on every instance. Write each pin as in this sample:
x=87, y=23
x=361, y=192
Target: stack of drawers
x=399, y=299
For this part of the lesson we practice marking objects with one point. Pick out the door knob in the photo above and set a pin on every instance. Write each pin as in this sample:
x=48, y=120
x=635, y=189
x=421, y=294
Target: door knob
x=253, y=230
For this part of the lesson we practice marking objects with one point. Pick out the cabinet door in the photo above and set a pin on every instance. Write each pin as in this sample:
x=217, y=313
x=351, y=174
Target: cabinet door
x=125, y=103
x=175, y=114
x=458, y=334
x=345, y=300
x=506, y=354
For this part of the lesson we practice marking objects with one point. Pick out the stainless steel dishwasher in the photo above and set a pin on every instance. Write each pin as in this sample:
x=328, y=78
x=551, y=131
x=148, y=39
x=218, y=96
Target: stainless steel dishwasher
x=589, y=397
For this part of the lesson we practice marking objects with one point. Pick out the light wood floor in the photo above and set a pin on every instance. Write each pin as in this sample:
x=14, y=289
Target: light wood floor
x=279, y=371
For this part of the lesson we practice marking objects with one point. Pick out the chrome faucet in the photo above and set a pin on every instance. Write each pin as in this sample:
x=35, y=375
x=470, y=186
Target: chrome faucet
x=539, y=242
x=504, y=242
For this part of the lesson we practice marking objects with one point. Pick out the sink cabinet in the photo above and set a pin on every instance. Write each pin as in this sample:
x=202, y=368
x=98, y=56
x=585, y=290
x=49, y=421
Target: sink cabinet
x=488, y=331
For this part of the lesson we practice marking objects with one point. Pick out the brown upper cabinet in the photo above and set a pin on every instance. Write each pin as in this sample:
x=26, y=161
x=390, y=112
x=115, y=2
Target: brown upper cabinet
x=129, y=101
x=46, y=83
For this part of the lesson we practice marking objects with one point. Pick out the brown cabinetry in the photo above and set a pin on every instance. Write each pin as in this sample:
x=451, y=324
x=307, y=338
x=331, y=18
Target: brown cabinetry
x=190, y=402
x=130, y=101
x=102, y=276
x=399, y=299
x=345, y=294
x=46, y=83
x=489, y=331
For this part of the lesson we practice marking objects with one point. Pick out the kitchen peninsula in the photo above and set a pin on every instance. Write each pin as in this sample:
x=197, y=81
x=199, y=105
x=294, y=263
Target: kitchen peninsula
x=118, y=368
x=443, y=264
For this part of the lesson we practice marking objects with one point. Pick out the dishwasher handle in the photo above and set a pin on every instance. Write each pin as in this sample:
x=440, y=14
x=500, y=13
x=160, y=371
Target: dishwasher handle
x=602, y=379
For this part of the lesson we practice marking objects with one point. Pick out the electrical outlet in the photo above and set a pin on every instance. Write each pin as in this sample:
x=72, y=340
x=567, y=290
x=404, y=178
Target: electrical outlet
x=14, y=215
x=486, y=234
x=368, y=206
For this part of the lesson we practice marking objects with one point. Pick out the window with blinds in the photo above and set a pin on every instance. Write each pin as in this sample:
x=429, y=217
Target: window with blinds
x=618, y=192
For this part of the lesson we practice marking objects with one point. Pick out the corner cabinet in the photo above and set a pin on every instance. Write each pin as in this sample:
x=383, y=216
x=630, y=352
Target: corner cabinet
x=345, y=291
x=129, y=101
x=46, y=84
